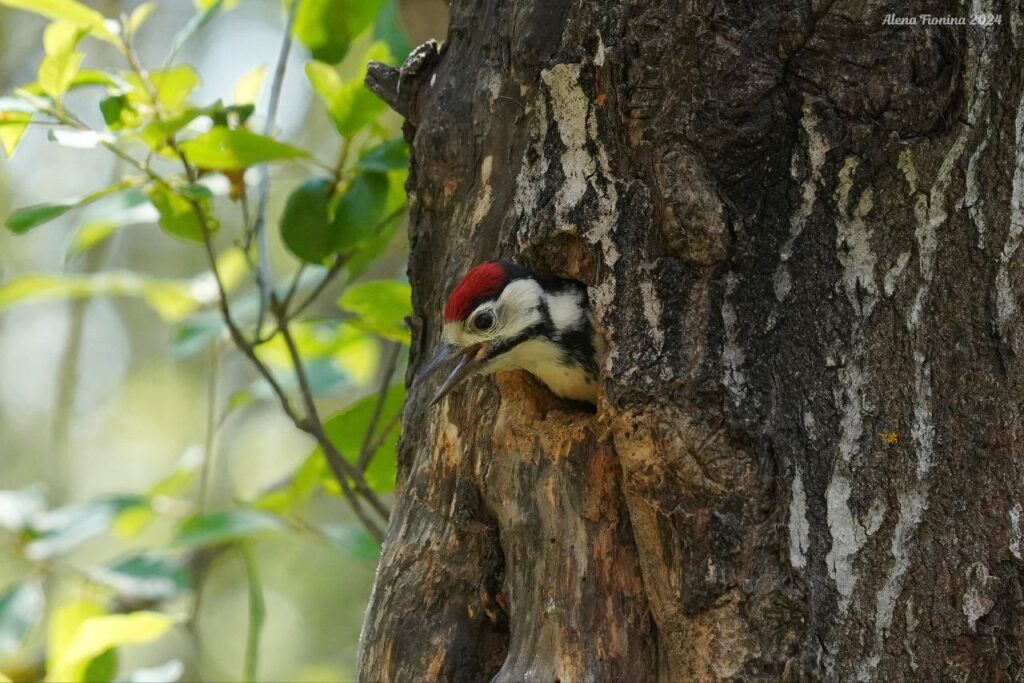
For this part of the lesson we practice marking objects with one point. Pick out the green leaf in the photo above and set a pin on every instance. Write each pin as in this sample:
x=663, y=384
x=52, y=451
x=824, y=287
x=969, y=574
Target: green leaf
x=225, y=527
x=203, y=5
x=359, y=211
x=96, y=635
x=174, y=86
x=327, y=27
x=390, y=155
x=305, y=223
x=346, y=428
x=58, y=531
x=21, y=608
x=158, y=132
x=221, y=149
x=173, y=300
x=102, y=668
x=60, y=62
x=350, y=105
x=13, y=125
x=381, y=306
x=62, y=625
x=247, y=87
x=140, y=15
x=149, y=576
x=117, y=111
x=24, y=219
x=387, y=29
x=171, y=86
x=373, y=247
x=178, y=216
x=68, y=10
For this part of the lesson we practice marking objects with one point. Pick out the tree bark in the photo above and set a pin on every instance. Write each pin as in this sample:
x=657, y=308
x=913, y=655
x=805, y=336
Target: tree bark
x=800, y=226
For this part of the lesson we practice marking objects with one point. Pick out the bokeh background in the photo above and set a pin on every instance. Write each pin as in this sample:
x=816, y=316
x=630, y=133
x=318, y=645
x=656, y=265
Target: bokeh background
x=99, y=396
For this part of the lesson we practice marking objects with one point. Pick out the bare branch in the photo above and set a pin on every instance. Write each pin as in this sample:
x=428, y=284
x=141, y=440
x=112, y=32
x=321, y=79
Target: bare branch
x=390, y=364
x=259, y=230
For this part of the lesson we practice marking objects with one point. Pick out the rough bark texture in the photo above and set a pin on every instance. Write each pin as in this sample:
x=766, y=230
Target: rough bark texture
x=801, y=231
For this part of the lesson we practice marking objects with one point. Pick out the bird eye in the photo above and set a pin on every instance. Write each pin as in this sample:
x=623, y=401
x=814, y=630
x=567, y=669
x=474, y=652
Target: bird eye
x=484, y=321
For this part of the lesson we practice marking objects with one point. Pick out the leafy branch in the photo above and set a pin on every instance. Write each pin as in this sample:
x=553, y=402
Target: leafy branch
x=319, y=224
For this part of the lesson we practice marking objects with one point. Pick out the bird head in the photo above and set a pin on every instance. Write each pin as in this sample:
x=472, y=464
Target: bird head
x=501, y=316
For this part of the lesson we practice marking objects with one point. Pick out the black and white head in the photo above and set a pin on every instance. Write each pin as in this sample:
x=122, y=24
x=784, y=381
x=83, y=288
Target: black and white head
x=501, y=316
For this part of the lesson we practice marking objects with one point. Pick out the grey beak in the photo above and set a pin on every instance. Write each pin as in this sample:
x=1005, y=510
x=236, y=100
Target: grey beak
x=468, y=361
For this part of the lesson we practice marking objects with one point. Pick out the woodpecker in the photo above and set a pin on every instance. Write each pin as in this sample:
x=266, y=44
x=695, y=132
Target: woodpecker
x=502, y=316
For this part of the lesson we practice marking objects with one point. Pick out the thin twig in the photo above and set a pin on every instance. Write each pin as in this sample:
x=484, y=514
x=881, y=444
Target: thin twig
x=293, y=287
x=332, y=272
x=237, y=337
x=342, y=469
x=263, y=275
x=390, y=363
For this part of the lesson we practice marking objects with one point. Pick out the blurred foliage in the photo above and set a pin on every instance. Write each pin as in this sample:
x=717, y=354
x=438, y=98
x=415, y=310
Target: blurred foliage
x=322, y=328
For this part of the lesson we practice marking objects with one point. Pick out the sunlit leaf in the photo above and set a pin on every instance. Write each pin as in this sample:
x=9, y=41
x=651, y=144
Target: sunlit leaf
x=171, y=299
x=347, y=428
x=24, y=219
x=222, y=149
x=380, y=306
x=68, y=10
x=305, y=222
x=13, y=125
x=60, y=62
x=158, y=132
x=140, y=15
x=350, y=104
x=178, y=216
x=62, y=626
x=327, y=27
x=247, y=87
x=58, y=531
x=149, y=576
x=389, y=155
x=172, y=88
x=204, y=5
x=21, y=608
x=19, y=507
x=98, y=634
x=225, y=527
x=359, y=211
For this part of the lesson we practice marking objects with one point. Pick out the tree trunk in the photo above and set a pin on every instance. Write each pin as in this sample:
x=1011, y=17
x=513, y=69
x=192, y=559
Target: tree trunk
x=800, y=227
